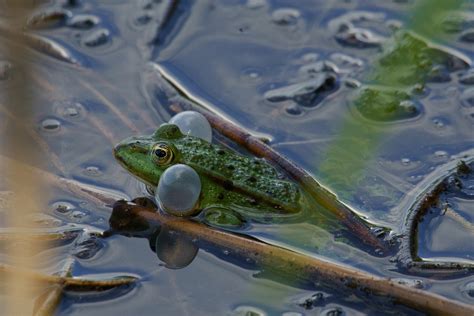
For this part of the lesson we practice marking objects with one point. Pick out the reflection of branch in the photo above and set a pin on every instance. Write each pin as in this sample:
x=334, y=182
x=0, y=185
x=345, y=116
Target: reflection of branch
x=112, y=107
x=300, y=265
x=96, y=195
x=320, y=194
x=37, y=138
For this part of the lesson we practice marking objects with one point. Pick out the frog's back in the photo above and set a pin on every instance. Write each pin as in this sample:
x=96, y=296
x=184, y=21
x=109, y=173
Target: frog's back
x=251, y=179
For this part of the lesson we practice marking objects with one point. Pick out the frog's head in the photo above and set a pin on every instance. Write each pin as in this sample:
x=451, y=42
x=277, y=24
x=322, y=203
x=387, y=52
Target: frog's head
x=146, y=157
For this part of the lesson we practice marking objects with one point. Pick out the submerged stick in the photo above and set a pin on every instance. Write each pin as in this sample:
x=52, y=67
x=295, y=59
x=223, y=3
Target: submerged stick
x=70, y=282
x=294, y=263
x=320, y=194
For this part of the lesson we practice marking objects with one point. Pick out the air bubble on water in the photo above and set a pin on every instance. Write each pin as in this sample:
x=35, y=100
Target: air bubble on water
x=293, y=109
x=441, y=154
x=413, y=283
x=408, y=106
x=49, y=18
x=346, y=33
x=253, y=75
x=352, y=83
x=50, y=125
x=69, y=109
x=415, y=178
x=78, y=215
x=248, y=311
x=335, y=311
x=226, y=252
x=92, y=171
x=438, y=123
x=317, y=67
x=344, y=60
x=419, y=89
x=255, y=4
x=97, y=38
x=405, y=161
x=62, y=207
x=285, y=16
x=83, y=21
x=468, y=289
x=143, y=19
x=394, y=25
x=310, y=57
x=305, y=93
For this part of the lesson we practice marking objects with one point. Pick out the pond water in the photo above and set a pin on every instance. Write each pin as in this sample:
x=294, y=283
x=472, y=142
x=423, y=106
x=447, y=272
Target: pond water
x=374, y=112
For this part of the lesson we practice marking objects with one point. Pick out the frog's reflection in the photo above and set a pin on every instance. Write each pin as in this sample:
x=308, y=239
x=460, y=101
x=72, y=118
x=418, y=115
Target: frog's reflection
x=173, y=248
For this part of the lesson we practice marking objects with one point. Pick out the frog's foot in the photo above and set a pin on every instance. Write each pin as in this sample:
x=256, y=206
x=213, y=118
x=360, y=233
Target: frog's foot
x=222, y=217
x=145, y=202
x=150, y=190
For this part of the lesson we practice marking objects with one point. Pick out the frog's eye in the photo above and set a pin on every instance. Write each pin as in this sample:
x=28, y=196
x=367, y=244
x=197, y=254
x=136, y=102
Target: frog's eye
x=162, y=154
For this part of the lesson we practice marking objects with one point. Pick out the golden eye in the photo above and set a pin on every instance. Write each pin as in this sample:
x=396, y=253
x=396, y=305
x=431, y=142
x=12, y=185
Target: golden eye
x=162, y=154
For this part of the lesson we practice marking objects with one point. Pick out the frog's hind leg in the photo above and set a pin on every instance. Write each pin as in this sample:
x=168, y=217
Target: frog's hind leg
x=222, y=217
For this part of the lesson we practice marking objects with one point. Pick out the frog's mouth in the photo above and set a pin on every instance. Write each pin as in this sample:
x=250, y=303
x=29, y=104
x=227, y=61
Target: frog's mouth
x=133, y=155
x=129, y=152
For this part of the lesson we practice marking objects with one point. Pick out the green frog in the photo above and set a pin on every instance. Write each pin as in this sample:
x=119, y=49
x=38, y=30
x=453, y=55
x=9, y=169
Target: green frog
x=234, y=187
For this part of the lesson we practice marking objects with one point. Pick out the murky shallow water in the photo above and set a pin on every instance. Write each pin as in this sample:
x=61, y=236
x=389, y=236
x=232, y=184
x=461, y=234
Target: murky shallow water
x=285, y=70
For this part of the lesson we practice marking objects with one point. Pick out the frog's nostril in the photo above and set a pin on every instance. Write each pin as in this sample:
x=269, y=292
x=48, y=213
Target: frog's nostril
x=118, y=150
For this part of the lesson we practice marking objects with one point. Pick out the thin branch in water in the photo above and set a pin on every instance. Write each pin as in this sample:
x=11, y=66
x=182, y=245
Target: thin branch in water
x=71, y=283
x=430, y=197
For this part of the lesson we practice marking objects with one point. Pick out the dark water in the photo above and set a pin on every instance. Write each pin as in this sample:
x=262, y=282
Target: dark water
x=305, y=74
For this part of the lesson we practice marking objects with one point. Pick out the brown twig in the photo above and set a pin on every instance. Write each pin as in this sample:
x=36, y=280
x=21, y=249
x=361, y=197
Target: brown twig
x=69, y=282
x=408, y=253
x=283, y=260
x=50, y=300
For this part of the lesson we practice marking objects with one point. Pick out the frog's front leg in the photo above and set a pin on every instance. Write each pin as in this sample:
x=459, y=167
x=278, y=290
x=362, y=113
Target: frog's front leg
x=222, y=217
